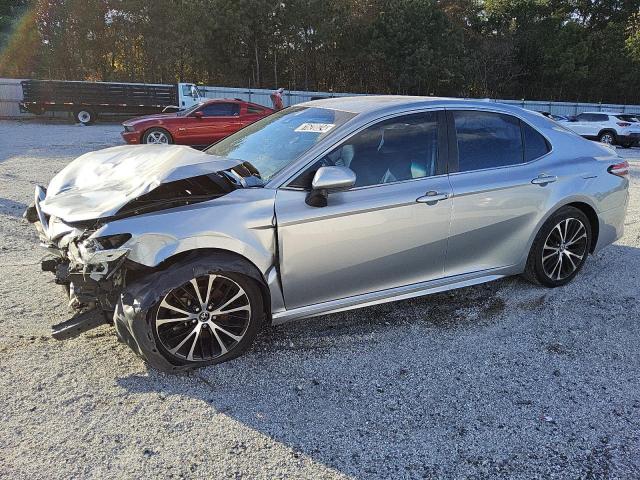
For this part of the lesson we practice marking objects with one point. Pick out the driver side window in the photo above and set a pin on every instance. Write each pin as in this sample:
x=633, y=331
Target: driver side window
x=395, y=150
x=221, y=110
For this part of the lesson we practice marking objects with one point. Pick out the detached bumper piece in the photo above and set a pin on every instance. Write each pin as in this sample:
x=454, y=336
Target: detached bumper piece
x=91, y=298
x=79, y=323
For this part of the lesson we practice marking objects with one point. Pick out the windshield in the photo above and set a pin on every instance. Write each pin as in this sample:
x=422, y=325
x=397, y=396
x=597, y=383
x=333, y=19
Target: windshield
x=277, y=140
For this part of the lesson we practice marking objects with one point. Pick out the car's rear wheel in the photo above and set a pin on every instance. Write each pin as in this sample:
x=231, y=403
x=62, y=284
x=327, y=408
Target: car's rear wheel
x=85, y=116
x=560, y=248
x=607, y=137
x=157, y=136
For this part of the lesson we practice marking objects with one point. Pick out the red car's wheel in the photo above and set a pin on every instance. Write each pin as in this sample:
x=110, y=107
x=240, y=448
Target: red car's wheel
x=157, y=136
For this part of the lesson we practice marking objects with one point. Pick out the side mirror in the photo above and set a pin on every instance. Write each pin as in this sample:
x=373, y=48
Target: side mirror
x=198, y=114
x=329, y=179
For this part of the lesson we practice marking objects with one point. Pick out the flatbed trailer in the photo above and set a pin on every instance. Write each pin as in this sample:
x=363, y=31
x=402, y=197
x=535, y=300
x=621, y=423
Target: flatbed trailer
x=88, y=100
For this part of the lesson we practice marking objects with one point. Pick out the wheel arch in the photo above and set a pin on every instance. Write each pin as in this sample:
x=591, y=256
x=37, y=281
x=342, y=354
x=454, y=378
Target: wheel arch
x=591, y=214
x=156, y=127
x=581, y=204
x=609, y=130
x=227, y=260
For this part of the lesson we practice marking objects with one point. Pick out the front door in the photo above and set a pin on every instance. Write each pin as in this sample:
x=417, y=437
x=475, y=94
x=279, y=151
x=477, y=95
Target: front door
x=382, y=233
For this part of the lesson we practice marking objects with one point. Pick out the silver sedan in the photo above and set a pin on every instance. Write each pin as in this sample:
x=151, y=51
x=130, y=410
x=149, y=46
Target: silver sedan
x=325, y=206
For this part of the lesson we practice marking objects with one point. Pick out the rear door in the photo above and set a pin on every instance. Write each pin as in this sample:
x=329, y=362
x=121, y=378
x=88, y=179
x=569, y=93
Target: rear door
x=497, y=197
x=381, y=234
x=589, y=124
x=580, y=125
x=218, y=121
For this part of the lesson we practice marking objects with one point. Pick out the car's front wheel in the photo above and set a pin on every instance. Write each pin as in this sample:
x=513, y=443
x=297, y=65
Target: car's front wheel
x=157, y=136
x=207, y=320
x=560, y=248
x=175, y=323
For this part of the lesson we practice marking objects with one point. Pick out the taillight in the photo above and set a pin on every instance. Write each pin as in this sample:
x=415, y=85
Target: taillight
x=620, y=169
x=623, y=124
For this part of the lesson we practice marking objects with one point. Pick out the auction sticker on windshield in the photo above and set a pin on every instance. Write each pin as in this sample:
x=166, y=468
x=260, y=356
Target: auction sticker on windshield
x=315, y=127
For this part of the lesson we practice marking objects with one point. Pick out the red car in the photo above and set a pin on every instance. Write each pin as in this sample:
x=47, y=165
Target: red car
x=198, y=126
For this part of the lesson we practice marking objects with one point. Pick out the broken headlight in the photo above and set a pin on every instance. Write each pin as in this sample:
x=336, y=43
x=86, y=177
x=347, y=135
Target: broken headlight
x=111, y=241
x=103, y=249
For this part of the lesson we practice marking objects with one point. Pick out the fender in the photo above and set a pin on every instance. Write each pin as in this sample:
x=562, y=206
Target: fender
x=555, y=207
x=241, y=222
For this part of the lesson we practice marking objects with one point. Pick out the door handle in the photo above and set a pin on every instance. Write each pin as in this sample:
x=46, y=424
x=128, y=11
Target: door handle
x=543, y=179
x=432, y=197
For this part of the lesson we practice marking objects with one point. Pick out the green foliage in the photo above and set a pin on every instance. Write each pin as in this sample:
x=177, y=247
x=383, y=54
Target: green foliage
x=547, y=49
x=10, y=13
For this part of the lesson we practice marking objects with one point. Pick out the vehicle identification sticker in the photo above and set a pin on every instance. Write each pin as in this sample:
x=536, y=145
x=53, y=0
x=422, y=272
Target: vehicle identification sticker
x=315, y=127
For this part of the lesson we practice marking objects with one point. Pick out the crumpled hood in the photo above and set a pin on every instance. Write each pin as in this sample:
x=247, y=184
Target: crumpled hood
x=98, y=184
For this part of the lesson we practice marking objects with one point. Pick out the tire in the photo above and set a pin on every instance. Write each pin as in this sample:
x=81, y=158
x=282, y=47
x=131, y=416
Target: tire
x=607, y=137
x=568, y=223
x=157, y=136
x=85, y=116
x=160, y=318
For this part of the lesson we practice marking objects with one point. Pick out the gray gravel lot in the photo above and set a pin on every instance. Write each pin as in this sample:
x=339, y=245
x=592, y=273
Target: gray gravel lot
x=504, y=380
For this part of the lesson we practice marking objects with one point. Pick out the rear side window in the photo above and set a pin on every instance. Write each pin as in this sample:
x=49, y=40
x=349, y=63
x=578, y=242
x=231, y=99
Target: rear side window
x=252, y=109
x=220, y=109
x=627, y=118
x=487, y=140
x=592, y=117
x=535, y=145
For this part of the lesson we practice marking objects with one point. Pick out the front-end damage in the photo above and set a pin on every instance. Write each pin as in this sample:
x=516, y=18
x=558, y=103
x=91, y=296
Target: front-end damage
x=92, y=262
x=91, y=270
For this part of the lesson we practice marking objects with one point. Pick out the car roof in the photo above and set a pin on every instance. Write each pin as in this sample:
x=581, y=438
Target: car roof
x=374, y=103
x=232, y=100
x=226, y=100
x=605, y=113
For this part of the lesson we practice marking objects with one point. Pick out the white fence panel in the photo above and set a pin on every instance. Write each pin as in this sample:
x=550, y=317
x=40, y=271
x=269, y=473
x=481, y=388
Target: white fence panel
x=263, y=96
x=568, y=108
x=10, y=96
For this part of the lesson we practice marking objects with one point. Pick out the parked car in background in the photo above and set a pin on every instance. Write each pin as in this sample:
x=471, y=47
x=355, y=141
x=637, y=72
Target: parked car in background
x=199, y=126
x=321, y=207
x=610, y=128
x=88, y=100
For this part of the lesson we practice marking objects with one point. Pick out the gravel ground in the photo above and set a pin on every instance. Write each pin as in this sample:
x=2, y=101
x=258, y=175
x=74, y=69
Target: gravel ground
x=504, y=380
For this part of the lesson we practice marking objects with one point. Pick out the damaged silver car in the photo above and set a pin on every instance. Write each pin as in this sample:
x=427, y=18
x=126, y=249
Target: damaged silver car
x=326, y=206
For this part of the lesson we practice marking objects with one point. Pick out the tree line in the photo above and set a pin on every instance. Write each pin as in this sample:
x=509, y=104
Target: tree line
x=571, y=50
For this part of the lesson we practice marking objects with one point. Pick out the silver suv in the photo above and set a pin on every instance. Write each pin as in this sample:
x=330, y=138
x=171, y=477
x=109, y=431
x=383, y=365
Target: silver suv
x=326, y=206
